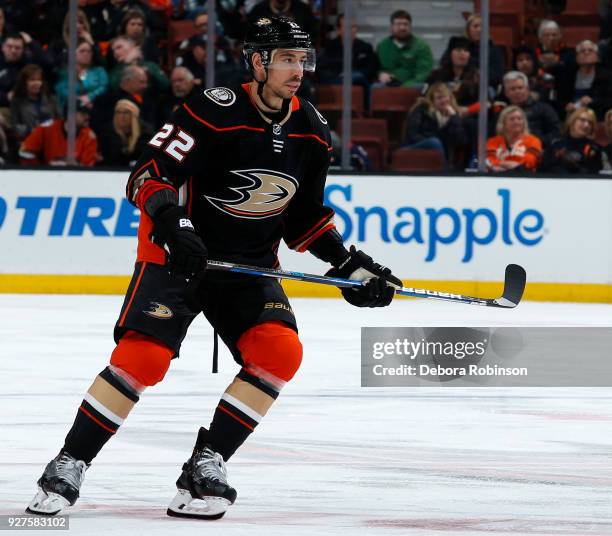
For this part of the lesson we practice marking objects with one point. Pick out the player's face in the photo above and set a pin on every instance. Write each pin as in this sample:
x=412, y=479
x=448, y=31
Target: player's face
x=286, y=72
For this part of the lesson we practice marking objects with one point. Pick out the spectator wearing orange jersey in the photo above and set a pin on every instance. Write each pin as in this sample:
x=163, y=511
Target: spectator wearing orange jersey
x=514, y=148
x=47, y=144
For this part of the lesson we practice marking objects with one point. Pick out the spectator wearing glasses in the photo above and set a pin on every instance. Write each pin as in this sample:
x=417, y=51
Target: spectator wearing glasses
x=122, y=141
x=58, y=50
x=405, y=59
x=576, y=152
x=91, y=82
x=587, y=84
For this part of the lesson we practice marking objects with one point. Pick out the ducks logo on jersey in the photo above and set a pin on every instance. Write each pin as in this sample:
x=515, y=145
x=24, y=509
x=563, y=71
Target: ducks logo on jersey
x=266, y=194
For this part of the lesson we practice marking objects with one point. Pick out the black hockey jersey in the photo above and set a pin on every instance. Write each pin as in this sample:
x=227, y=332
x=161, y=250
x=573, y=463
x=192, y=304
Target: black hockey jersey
x=247, y=179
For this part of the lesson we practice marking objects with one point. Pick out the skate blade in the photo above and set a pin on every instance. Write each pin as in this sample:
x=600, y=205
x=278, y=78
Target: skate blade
x=184, y=505
x=44, y=504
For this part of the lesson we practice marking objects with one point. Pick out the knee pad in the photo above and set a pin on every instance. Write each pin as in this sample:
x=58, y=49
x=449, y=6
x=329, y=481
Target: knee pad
x=271, y=351
x=144, y=358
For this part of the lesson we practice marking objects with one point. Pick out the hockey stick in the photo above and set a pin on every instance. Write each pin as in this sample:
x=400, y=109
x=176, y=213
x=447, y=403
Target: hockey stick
x=514, y=284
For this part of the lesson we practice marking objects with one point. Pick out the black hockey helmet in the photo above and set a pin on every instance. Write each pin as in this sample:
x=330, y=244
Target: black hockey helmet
x=267, y=34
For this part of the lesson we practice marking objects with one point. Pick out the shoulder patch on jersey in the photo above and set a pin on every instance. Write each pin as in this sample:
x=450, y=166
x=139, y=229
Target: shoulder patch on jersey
x=220, y=95
x=321, y=118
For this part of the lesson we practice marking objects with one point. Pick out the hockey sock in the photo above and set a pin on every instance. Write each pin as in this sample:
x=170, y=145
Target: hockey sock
x=232, y=423
x=97, y=419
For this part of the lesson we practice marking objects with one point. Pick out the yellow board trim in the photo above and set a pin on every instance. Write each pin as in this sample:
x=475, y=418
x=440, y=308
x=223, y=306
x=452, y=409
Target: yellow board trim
x=117, y=284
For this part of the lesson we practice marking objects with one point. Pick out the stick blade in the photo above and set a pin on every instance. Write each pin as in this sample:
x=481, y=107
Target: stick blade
x=514, y=286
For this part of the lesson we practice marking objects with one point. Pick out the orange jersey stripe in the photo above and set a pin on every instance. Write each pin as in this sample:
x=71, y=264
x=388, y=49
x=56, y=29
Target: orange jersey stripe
x=314, y=136
x=220, y=129
x=308, y=233
x=304, y=246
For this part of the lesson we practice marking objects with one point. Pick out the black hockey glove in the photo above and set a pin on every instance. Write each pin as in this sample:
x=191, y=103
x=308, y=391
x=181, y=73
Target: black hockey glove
x=173, y=231
x=379, y=289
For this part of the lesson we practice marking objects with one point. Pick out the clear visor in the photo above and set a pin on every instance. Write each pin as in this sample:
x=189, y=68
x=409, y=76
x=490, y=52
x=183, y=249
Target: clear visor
x=303, y=59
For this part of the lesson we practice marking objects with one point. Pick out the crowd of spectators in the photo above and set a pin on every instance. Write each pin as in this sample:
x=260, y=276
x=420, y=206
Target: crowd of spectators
x=549, y=105
x=550, y=110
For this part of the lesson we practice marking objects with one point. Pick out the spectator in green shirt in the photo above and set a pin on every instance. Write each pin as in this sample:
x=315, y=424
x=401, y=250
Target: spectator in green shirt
x=405, y=59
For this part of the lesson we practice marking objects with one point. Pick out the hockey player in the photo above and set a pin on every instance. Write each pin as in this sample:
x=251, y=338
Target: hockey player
x=233, y=172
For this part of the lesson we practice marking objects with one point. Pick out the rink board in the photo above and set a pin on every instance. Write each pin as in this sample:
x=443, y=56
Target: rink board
x=73, y=232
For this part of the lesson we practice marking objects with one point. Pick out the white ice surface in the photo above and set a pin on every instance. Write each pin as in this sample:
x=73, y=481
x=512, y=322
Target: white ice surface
x=331, y=458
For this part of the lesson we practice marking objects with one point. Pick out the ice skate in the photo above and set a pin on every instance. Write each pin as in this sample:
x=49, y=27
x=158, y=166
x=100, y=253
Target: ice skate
x=203, y=491
x=59, y=485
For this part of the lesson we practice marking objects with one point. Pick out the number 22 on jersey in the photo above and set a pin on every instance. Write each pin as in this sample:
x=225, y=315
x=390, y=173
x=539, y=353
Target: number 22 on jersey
x=178, y=142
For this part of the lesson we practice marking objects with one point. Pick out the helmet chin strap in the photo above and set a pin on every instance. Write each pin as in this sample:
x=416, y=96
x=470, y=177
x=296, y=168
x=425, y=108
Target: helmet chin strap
x=260, y=87
x=286, y=102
